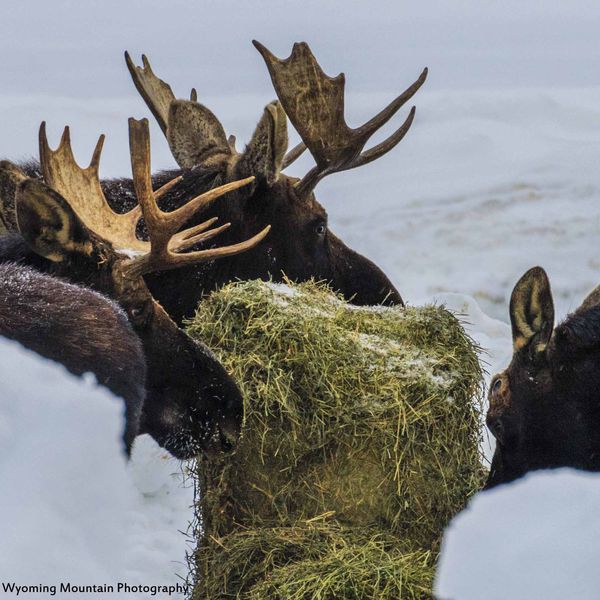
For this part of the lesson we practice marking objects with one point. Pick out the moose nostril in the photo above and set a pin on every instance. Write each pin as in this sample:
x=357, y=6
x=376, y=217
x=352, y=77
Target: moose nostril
x=228, y=440
x=230, y=431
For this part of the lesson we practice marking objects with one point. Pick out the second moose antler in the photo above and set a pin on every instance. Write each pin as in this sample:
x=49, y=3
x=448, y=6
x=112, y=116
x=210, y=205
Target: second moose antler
x=304, y=247
x=314, y=103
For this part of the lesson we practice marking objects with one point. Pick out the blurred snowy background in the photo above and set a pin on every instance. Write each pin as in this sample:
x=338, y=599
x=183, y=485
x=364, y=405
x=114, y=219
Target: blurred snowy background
x=499, y=172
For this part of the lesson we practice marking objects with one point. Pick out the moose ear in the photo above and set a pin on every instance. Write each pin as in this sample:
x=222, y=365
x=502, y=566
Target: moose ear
x=591, y=300
x=263, y=156
x=532, y=312
x=48, y=224
x=194, y=134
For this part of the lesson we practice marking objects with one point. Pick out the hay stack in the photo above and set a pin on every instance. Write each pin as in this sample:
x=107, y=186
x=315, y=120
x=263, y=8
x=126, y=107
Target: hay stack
x=360, y=443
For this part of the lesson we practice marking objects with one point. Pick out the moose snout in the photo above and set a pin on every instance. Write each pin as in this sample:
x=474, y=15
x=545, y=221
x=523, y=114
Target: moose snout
x=224, y=417
x=230, y=433
x=231, y=421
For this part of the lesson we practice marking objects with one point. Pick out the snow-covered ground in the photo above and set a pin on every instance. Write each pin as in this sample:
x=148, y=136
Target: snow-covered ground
x=499, y=173
x=72, y=509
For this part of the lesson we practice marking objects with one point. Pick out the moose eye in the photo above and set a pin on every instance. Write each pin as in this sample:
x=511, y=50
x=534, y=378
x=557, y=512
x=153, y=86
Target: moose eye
x=320, y=228
x=136, y=311
x=497, y=384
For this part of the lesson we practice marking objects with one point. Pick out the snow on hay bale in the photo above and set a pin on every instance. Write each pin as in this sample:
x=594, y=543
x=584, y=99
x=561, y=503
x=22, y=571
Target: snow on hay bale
x=360, y=442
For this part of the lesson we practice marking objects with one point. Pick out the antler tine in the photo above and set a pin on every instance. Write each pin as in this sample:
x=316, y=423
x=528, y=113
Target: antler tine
x=380, y=119
x=220, y=252
x=310, y=180
x=380, y=149
x=185, y=212
x=139, y=145
x=95, y=160
x=163, y=228
x=82, y=190
x=193, y=231
x=157, y=94
x=314, y=103
x=295, y=153
x=231, y=142
x=192, y=240
x=161, y=191
x=64, y=149
x=193, y=132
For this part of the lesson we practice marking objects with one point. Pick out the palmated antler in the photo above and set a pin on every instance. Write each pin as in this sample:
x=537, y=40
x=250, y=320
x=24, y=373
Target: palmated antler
x=195, y=134
x=166, y=241
x=314, y=103
x=157, y=94
x=82, y=190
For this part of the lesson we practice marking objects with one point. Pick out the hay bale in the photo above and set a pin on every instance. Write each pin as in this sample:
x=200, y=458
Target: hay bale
x=360, y=417
x=314, y=560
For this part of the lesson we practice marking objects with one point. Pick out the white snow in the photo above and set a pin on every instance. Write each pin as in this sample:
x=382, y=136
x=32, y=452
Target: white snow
x=534, y=539
x=73, y=510
x=498, y=173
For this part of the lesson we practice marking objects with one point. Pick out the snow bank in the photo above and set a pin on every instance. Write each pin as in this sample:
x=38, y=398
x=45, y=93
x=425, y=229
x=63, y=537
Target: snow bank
x=536, y=538
x=73, y=510
x=485, y=186
x=497, y=174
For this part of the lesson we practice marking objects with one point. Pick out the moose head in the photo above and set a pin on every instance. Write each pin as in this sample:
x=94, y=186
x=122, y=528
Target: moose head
x=191, y=403
x=544, y=409
x=302, y=245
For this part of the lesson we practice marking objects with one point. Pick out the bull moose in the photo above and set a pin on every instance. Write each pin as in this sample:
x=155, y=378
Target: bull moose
x=544, y=409
x=63, y=211
x=191, y=403
x=301, y=245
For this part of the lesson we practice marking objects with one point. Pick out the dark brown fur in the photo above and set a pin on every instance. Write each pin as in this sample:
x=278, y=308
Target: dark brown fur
x=300, y=245
x=192, y=404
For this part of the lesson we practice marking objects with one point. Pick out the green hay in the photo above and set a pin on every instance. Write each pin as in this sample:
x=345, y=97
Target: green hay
x=316, y=561
x=364, y=416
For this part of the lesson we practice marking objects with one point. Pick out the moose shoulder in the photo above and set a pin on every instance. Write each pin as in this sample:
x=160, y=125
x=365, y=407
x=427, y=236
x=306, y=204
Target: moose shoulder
x=301, y=245
x=544, y=409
